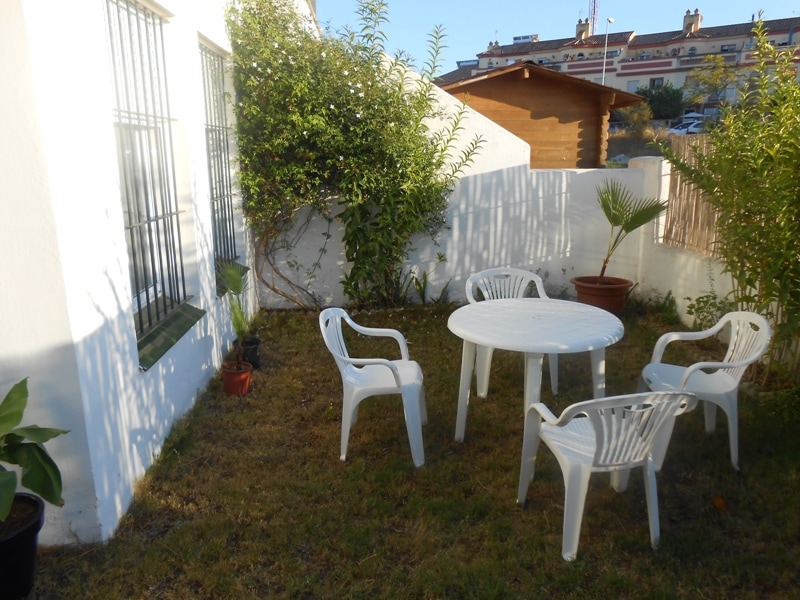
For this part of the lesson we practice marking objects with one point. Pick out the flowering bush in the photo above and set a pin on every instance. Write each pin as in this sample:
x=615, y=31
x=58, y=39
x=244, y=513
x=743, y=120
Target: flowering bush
x=323, y=118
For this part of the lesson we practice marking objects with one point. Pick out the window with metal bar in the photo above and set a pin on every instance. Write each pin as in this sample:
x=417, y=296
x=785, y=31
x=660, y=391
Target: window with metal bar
x=217, y=149
x=143, y=129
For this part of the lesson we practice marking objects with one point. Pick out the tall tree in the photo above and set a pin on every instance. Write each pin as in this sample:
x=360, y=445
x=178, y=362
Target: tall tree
x=666, y=101
x=711, y=79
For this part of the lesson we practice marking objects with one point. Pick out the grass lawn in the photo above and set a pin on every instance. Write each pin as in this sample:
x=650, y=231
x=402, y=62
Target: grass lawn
x=249, y=498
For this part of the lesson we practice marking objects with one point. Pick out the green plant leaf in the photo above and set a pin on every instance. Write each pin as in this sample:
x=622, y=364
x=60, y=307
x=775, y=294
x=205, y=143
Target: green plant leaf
x=37, y=434
x=624, y=212
x=8, y=487
x=13, y=406
x=39, y=472
x=239, y=319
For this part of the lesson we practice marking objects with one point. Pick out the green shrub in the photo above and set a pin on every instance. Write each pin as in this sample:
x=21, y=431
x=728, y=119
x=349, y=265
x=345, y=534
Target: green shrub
x=331, y=120
x=750, y=173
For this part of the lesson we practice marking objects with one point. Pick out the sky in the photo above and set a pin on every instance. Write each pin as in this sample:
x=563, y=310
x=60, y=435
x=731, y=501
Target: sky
x=471, y=24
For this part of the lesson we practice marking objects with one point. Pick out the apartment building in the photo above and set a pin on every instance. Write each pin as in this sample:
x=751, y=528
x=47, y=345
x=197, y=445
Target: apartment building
x=633, y=60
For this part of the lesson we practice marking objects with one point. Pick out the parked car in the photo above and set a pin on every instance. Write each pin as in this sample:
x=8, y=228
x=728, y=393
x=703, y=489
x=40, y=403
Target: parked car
x=686, y=127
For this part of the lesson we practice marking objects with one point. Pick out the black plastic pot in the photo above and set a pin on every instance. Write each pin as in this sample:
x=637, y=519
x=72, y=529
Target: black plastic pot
x=251, y=351
x=18, y=549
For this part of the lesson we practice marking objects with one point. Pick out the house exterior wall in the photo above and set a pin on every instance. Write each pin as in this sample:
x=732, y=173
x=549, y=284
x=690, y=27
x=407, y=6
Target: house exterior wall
x=66, y=316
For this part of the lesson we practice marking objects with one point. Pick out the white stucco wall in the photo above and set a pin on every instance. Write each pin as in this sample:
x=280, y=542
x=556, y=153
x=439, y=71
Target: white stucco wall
x=65, y=308
x=548, y=221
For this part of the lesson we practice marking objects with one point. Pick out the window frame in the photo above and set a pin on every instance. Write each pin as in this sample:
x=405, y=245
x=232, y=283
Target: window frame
x=218, y=155
x=145, y=150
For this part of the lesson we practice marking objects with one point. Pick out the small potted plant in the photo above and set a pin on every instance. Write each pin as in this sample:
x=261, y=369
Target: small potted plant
x=22, y=514
x=236, y=374
x=625, y=214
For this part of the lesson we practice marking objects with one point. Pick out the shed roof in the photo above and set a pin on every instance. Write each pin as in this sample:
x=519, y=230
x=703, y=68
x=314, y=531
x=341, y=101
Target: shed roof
x=621, y=99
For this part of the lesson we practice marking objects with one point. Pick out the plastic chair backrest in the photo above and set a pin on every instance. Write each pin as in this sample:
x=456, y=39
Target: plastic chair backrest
x=626, y=426
x=503, y=282
x=749, y=337
x=331, y=326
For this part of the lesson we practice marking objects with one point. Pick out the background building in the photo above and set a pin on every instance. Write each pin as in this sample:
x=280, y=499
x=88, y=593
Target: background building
x=632, y=60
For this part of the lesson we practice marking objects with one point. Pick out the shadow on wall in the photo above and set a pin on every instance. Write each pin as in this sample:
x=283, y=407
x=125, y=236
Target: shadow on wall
x=547, y=221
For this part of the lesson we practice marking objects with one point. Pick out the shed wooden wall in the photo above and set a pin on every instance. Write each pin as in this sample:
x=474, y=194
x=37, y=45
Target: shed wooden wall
x=562, y=124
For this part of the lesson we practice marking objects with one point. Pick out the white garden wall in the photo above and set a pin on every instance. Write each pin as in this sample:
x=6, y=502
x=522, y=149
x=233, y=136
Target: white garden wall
x=548, y=221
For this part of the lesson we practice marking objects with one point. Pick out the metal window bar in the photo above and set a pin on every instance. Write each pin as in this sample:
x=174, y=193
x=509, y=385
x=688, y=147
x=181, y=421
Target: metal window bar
x=218, y=154
x=145, y=152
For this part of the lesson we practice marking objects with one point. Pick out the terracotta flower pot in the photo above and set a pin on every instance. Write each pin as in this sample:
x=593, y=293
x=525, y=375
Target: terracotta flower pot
x=609, y=295
x=236, y=378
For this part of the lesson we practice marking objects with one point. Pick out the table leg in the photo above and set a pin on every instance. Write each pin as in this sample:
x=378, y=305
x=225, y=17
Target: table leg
x=467, y=364
x=530, y=436
x=598, y=357
x=533, y=378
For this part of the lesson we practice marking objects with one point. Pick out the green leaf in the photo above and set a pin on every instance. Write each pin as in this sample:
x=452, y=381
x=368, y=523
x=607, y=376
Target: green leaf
x=37, y=434
x=13, y=406
x=39, y=472
x=8, y=487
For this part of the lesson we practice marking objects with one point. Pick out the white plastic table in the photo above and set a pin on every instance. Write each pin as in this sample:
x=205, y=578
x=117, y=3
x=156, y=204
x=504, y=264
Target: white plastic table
x=534, y=326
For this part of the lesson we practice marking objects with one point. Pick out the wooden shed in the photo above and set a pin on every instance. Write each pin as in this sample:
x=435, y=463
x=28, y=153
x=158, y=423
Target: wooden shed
x=563, y=118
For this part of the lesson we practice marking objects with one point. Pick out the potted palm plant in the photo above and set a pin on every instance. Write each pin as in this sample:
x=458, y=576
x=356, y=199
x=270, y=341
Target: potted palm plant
x=21, y=513
x=236, y=374
x=625, y=214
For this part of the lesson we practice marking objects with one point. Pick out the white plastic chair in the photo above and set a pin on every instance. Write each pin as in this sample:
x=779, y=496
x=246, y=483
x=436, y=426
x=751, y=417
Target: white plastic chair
x=603, y=435
x=495, y=284
x=714, y=382
x=365, y=377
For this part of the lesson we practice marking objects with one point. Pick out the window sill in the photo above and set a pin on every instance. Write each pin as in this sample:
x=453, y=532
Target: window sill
x=155, y=343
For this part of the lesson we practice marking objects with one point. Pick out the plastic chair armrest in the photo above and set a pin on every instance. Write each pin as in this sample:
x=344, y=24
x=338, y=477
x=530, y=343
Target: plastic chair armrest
x=381, y=332
x=679, y=336
x=711, y=365
x=361, y=362
x=688, y=404
x=544, y=412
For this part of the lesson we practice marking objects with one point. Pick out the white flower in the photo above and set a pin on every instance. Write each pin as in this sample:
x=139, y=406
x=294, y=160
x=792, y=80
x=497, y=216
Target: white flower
x=358, y=115
x=346, y=72
x=358, y=85
x=255, y=64
x=332, y=107
x=324, y=55
x=275, y=44
x=341, y=157
x=361, y=94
